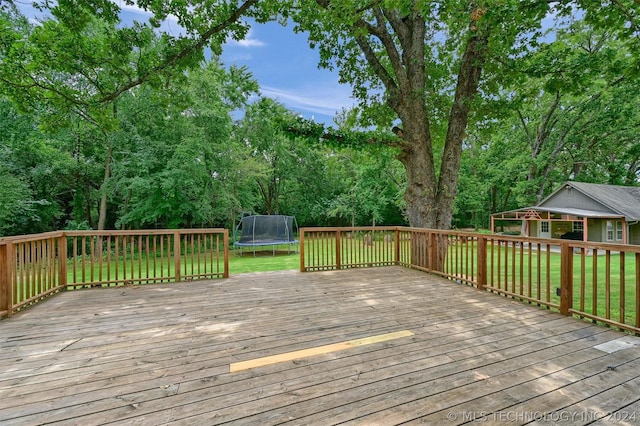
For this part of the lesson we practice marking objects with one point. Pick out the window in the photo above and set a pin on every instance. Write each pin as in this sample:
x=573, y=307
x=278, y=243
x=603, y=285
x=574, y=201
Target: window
x=609, y=230
x=578, y=226
x=619, y=230
x=544, y=227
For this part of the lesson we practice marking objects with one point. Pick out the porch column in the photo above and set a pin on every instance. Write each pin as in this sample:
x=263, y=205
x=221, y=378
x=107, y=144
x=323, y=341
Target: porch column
x=492, y=224
x=585, y=230
x=624, y=230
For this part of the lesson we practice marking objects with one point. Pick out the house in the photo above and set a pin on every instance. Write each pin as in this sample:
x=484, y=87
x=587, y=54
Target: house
x=582, y=211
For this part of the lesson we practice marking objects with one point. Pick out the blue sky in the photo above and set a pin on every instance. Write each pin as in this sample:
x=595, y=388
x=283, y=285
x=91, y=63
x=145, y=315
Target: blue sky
x=286, y=69
x=280, y=60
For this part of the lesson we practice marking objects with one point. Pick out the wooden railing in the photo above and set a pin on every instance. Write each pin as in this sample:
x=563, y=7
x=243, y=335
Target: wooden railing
x=596, y=281
x=341, y=248
x=33, y=267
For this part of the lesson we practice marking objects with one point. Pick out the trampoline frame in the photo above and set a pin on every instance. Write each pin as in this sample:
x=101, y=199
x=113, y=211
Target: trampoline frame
x=264, y=242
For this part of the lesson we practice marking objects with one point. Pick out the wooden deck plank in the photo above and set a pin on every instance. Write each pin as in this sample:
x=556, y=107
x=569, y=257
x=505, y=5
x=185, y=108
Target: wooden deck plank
x=437, y=383
x=196, y=360
x=628, y=415
x=562, y=370
x=161, y=354
x=600, y=406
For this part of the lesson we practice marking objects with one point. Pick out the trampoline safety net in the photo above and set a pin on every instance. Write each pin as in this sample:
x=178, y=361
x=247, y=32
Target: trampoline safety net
x=261, y=230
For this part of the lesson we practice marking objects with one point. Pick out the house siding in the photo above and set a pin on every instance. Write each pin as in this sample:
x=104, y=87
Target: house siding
x=572, y=198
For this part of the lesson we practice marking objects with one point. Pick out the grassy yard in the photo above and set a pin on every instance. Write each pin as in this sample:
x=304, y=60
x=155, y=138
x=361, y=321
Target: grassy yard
x=241, y=263
x=131, y=269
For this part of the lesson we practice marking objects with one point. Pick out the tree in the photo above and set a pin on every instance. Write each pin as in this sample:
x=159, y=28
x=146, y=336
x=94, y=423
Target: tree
x=32, y=174
x=437, y=66
x=176, y=165
x=427, y=66
x=372, y=188
x=389, y=51
x=80, y=61
x=570, y=115
x=574, y=99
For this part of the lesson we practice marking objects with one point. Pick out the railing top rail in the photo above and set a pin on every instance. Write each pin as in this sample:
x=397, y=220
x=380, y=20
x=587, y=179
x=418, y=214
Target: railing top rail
x=629, y=248
x=489, y=237
x=440, y=231
x=146, y=232
x=31, y=237
x=347, y=228
x=57, y=234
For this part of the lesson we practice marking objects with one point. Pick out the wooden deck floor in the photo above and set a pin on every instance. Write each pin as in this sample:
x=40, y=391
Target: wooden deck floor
x=161, y=354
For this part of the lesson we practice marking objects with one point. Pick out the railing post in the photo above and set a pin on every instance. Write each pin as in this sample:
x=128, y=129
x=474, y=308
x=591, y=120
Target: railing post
x=62, y=261
x=396, y=256
x=302, y=267
x=566, y=279
x=176, y=255
x=433, y=252
x=482, y=262
x=338, y=250
x=225, y=274
x=6, y=266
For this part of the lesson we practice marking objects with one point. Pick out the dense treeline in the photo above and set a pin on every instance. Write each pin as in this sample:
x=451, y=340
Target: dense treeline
x=178, y=159
x=94, y=139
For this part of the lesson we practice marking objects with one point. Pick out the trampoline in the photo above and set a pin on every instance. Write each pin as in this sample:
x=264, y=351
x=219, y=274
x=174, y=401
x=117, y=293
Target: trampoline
x=265, y=230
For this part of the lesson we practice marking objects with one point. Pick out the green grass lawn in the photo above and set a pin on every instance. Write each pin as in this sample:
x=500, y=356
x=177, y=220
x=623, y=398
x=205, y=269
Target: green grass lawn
x=241, y=263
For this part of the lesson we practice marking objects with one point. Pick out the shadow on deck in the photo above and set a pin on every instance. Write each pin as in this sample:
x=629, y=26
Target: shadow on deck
x=163, y=354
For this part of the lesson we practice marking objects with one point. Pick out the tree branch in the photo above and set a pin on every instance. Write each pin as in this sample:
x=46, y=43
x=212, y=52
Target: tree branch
x=472, y=63
x=175, y=58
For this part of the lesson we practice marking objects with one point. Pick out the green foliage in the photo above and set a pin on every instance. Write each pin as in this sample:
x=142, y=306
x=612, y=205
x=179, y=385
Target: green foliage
x=570, y=116
x=318, y=135
x=177, y=168
x=371, y=189
x=29, y=187
x=312, y=173
x=134, y=118
x=16, y=204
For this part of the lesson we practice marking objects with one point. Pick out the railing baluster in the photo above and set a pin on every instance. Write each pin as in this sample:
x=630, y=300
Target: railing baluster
x=622, y=286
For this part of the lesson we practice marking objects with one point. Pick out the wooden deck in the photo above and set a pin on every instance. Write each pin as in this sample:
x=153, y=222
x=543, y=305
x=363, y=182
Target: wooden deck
x=161, y=354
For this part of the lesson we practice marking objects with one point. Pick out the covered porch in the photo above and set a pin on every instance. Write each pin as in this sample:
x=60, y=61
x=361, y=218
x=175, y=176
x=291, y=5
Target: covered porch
x=372, y=346
x=566, y=223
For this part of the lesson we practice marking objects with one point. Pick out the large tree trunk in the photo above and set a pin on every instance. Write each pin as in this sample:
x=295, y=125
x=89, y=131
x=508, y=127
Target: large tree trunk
x=102, y=218
x=430, y=198
x=420, y=194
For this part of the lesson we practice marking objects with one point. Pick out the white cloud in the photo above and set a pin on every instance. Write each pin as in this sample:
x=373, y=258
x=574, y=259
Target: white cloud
x=234, y=58
x=247, y=42
x=132, y=8
x=250, y=43
x=169, y=25
x=326, y=100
